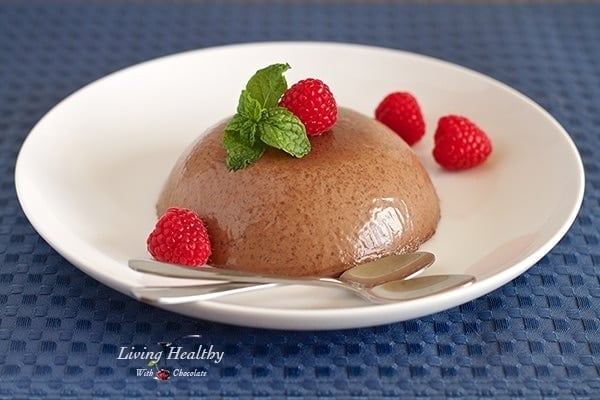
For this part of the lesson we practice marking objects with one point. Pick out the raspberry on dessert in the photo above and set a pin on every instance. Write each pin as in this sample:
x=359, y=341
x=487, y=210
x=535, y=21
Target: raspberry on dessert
x=313, y=103
x=180, y=237
x=459, y=143
x=402, y=114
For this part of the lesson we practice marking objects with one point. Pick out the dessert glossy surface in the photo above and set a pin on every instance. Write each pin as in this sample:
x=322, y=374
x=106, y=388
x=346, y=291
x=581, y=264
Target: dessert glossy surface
x=361, y=193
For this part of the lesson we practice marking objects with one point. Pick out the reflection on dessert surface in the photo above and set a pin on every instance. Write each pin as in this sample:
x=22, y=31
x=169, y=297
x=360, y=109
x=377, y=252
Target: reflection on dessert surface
x=361, y=193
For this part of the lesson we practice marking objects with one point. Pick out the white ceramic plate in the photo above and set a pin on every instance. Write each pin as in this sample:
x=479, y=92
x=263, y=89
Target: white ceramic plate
x=90, y=172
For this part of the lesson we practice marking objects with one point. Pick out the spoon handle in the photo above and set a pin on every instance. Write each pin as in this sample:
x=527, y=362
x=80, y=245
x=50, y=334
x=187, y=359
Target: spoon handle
x=211, y=273
x=187, y=294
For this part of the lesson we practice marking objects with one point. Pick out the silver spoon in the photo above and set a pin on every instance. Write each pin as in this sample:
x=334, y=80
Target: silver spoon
x=389, y=292
x=231, y=281
x=358, y=279
x=371, y=273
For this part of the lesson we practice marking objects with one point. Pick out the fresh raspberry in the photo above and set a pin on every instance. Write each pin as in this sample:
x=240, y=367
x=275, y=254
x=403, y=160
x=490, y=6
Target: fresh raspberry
x=313, y=103
x=402, y=114
x=180, y=237
x=459, y=143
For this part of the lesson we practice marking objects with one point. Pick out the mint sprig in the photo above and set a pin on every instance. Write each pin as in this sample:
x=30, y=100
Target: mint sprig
x=281, y=129
x=259, y=122
x=268, y=84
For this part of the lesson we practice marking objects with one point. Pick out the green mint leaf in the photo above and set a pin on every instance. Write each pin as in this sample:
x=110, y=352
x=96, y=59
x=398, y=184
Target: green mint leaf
x=281, y=129
x=249, y=107
x=152, y=363
x=240, y=152
x=243, y=127
x=268, y=84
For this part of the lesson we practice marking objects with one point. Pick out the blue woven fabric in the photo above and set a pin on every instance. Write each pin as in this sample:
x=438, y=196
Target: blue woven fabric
x=61, y=332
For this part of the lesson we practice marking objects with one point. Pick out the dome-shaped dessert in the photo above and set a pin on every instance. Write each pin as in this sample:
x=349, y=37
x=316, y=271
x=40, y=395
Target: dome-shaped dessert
x=361, y=193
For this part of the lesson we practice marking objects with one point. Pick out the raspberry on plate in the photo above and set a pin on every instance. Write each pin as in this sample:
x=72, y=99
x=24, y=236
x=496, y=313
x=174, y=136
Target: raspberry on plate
x=180, y=237
x=401, y=113
x=313, y=103
x=459, y=143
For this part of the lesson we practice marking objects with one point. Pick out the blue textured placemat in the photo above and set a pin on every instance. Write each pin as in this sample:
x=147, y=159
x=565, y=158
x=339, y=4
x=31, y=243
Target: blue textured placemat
x=61, y=332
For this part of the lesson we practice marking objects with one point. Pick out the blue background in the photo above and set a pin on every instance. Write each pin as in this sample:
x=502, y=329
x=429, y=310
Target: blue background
x=538, y=336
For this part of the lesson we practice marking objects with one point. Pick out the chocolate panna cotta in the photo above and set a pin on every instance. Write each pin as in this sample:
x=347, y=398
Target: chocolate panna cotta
x=359, y=194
